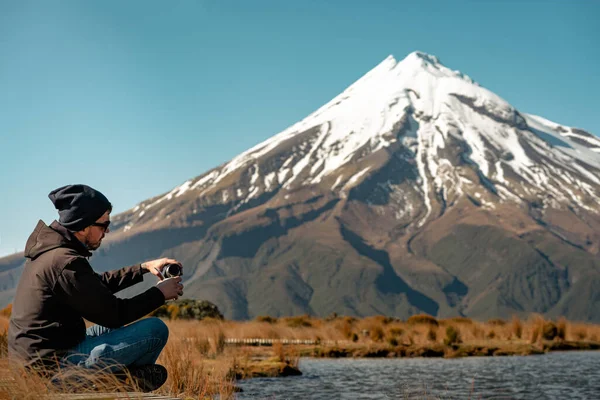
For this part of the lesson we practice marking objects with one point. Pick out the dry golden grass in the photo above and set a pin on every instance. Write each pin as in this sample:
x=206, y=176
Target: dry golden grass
x=201, y=366
x=5, y=312
x=422, y=319
x=378, y=329
x=19, y=383
x=188, y=375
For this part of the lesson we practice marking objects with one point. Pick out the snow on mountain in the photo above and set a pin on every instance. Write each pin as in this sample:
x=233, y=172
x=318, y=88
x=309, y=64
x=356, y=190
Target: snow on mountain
x=422, y=106
x=416, y=190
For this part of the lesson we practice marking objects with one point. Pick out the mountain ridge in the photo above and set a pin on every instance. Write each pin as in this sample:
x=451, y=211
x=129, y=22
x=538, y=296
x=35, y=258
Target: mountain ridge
x=414, y=190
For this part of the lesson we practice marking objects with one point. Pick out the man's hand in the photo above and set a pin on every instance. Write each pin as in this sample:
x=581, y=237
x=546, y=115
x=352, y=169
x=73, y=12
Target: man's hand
x=171, y=288
x=156, y=266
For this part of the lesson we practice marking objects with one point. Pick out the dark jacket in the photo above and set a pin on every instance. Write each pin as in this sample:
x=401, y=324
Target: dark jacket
x=58, y=288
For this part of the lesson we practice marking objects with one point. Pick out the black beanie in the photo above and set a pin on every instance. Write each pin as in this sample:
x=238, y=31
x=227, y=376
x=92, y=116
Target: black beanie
x=78, y=206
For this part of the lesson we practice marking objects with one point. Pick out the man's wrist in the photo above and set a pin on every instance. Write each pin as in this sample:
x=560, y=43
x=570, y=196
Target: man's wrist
x=144, y=267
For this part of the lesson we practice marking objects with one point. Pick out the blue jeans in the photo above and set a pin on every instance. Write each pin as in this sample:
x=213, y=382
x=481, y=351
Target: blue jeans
x=112, y=349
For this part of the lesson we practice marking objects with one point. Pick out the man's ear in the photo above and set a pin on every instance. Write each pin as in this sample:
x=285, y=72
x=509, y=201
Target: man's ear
x=82, y=233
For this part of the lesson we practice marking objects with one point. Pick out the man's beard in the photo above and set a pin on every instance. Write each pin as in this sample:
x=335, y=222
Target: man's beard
x=93, y=246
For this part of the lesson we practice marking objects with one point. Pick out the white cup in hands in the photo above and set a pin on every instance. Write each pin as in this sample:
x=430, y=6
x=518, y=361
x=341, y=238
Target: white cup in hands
x=171, y=288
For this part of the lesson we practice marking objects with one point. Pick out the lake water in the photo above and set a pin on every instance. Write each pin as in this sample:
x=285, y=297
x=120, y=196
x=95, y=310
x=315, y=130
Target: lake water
x=557, y=375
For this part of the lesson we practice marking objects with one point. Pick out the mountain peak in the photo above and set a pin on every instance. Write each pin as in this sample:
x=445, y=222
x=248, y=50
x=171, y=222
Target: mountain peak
x=445, y=127
x=417, y=70
x=416, y=57
x=412, y=171
x=423, y=57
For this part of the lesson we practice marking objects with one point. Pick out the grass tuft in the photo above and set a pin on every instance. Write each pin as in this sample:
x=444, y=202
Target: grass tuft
x=422, y=319
x=516, y=327
x=452, y=336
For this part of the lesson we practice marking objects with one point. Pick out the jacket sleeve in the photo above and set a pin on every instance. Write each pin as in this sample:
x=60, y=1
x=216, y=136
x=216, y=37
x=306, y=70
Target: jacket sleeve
x=123, y=278
x=82, y=289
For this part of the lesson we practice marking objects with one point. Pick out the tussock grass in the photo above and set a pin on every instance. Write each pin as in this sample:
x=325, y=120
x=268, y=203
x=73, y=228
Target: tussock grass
x=516, y=327
x=496, y=321
x=266, y=318
x=201, y=365
x=422, y=319
x=452, y=336
x=287, y=354
x=298, y=322
x=561, y=327
x=380, y=330
x=377, y=334
x=189, y=376
x=432, y=335
x=6, y=311
x=22, y=383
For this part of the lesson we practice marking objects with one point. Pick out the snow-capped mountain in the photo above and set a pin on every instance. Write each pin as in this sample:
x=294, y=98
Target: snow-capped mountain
x=441, y=120
x=414, y=190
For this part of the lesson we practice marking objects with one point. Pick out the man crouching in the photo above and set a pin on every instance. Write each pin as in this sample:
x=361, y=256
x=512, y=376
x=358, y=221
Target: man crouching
x=58, y=289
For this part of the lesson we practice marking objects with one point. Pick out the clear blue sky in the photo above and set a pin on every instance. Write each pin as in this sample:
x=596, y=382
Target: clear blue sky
x=135, y=97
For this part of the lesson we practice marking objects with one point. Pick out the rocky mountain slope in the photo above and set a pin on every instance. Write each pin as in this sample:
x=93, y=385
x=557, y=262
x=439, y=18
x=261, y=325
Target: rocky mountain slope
x=414, y=190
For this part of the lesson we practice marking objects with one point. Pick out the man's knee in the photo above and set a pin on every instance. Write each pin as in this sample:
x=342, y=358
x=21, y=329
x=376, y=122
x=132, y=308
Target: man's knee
x=157, y=328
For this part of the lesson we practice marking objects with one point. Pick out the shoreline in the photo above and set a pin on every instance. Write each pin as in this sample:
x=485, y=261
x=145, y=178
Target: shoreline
x=263, y=364
x=446, y=351
x=207, y=357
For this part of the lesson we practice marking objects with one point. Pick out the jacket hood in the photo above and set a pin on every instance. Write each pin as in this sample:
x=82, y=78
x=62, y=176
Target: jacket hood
x=45, y=238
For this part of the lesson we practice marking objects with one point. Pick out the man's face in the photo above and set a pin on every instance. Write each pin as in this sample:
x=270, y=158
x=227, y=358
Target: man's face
x=95, y=233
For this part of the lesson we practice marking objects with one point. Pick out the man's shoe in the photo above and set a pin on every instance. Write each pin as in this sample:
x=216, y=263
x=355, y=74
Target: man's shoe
x=149, y=377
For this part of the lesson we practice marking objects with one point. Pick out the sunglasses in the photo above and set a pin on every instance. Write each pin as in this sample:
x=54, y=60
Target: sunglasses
x=103, y=225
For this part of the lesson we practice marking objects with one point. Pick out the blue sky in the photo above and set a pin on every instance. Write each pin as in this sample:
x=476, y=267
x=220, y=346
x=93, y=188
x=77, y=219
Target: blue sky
x=135, y=97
